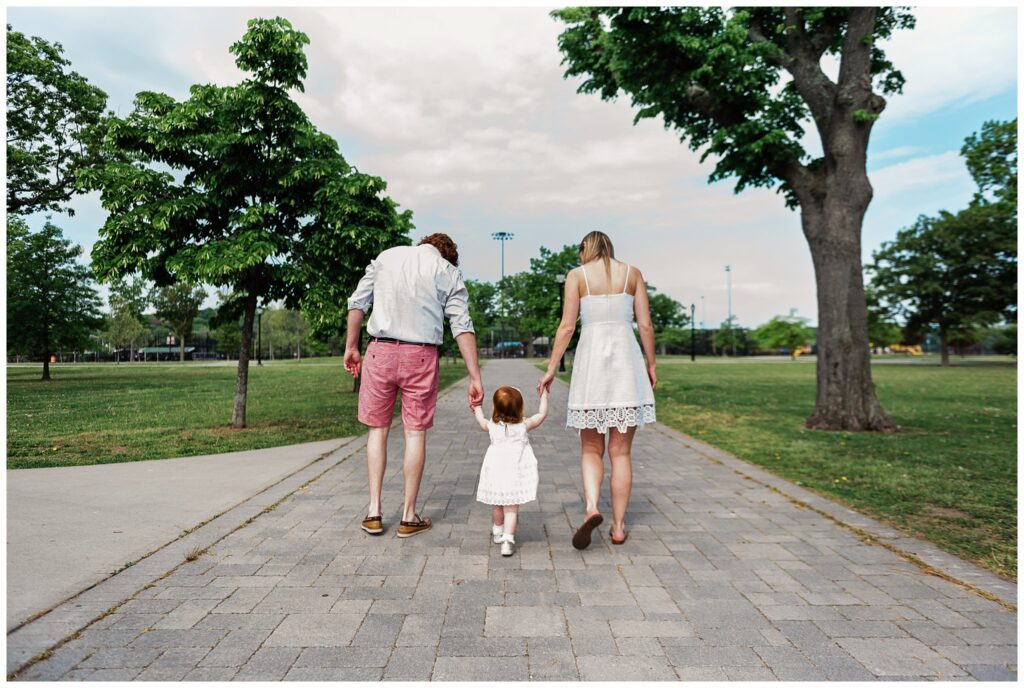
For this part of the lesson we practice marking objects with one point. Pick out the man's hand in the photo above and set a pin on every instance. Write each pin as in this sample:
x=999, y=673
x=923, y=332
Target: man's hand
x=352, y=361
x=475, y=393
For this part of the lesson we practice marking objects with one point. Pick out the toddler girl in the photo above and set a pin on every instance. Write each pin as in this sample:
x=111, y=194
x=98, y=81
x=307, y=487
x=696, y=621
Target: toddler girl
x=508, y=476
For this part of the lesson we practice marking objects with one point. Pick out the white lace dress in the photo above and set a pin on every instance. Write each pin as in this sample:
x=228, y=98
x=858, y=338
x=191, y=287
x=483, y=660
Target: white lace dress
x=609, y=387
x=509, y=472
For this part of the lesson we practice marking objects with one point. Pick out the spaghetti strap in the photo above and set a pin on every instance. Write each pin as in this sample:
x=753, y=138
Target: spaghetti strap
x=584, y=267
x=624, y=286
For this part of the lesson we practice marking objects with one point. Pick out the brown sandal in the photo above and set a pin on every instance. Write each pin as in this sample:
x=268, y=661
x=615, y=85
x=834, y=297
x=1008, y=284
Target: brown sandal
x=625, y=536
x=581, y=540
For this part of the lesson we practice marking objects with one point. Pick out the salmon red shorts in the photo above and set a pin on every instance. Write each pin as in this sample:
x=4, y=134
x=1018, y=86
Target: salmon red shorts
x=388, y=368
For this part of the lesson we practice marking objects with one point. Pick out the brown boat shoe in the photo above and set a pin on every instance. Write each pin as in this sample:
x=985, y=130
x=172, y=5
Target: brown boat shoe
x=410, y=528
x=374, y=525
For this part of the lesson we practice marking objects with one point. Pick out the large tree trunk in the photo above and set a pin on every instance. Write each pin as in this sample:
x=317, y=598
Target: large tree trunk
x=846, y=394
x=46, y=366
x=242, y=379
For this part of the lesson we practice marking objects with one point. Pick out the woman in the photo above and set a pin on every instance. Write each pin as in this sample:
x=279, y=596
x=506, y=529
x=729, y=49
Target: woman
x=612, y=388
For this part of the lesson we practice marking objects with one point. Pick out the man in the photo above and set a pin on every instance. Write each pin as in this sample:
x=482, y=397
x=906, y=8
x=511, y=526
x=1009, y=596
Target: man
x=412, y=289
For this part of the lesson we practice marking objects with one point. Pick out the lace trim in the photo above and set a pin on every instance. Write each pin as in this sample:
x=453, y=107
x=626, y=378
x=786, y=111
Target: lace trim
x=601, y=419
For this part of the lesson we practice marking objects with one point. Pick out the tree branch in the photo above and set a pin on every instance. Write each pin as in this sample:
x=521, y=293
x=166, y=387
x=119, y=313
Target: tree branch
x=855, y=66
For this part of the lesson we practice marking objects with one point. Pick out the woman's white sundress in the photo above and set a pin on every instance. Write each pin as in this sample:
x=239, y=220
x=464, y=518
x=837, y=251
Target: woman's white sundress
x=609, y=387
x=509, y=472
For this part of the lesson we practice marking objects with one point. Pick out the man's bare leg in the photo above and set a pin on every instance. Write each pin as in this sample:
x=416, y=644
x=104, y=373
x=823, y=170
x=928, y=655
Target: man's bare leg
x=376, y=462
x=412, y=469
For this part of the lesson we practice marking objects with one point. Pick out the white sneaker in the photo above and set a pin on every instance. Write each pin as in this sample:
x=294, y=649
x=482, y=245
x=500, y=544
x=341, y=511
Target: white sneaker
x=508, y=545
x=496, y=533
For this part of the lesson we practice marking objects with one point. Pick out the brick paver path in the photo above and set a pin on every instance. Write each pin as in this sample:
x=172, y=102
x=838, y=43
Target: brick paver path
x=722, y=578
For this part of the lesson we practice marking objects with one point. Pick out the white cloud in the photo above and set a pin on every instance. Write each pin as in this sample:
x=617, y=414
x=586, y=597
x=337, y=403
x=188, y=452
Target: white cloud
x=929, y=171
x=953, y=57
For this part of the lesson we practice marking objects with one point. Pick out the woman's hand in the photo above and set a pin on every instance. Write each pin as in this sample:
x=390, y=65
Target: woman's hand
x=544, y=384
x=652, y=376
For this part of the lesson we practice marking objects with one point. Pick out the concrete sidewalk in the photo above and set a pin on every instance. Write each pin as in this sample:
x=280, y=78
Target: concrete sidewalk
x=727, y=575
x=68, y=528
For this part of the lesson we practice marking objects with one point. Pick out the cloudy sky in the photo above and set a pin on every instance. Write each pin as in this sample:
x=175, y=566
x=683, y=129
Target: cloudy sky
x=467, y=116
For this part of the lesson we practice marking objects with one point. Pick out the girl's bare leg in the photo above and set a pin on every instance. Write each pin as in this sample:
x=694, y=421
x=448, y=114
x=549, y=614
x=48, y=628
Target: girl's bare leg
x=511, y=518
x=497, y=516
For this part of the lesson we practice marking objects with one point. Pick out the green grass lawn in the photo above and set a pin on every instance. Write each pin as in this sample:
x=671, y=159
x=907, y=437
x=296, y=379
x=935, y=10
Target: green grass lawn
x=107, y=413
x=950, y=476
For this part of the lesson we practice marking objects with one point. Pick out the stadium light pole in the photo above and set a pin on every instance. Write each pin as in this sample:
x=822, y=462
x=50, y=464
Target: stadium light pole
x=728, y=281
x=503, y=237
x=560, y=279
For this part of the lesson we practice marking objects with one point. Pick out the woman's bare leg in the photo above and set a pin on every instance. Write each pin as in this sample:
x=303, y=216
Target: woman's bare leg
x=620, y=447
x=592, y=468
x=498, y=516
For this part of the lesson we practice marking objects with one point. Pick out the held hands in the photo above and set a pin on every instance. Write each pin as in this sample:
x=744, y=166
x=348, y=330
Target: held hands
x=352, y=361
x=475, y=394
x=544, y=384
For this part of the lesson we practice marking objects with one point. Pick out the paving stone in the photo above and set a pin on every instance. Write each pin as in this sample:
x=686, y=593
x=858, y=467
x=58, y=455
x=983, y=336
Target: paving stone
x=163, y=674
x=524, y=622
x=419, y=630
x=991, y=672
x=267, y=664
x=342, y=657
x=379, y=630
x=551, y=659
x=899, y=657
x=338, y=674
x=179, y=657
x=410, y=664
x=210, y=674
x=625, y=669
x=315, y=630
x=632, y=628
x=481, y=669
x=121, y=658
x=713, y=655
x=481, y=647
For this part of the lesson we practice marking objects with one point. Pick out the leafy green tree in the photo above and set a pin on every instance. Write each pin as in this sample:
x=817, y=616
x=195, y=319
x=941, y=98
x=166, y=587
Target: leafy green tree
x=789, y=332
x=667, y=315
x=51, y=303
x=532, y=299
x=740, y=84
x=1004, y=339
x=52, y=113
x=228, y=336
x=991, y=157
x=728, y=335
x=483, y=307
x=262, y=204
x=959, y=271
x=674, y=337
x=178, y=305
x=127, y=326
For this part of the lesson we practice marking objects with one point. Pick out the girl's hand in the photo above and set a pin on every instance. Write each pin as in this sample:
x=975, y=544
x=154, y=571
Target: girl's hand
x=652, y=376
x=544, y=384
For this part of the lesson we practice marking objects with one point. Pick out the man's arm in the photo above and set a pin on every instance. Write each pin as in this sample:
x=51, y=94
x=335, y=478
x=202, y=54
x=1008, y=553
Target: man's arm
x=456, y=308
x=354, y=329
x=467, y=347
x=358, y=304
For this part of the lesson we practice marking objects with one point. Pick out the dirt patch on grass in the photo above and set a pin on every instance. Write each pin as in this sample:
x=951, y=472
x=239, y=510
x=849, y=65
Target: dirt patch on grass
x=946, y=512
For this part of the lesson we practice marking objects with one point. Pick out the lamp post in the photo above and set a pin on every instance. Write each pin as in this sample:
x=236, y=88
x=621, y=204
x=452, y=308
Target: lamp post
x=259, y=337
x=693, y=335
x=560, y=279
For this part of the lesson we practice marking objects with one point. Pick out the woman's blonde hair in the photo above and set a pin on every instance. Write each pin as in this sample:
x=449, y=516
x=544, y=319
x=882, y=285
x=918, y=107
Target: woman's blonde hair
x=597, y=245
x=508, y=406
